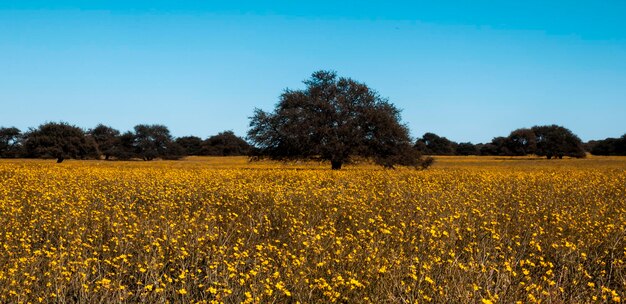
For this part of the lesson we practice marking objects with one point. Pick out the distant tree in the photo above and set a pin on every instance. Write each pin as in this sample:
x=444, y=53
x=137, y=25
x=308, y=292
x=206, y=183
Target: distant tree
x=588, y=146
x=226, y=144
x=333, y=119
x=421, y=147
x=522, y=142
x=10, y=145
x=620, y=145
x=603, y=147
x=609, y=146
x=57, y=140
x=125, y=147
x=153, y=141
x=174, y=151
x=10, y=142
x=106, y=138
x=488, y=149
x=497, y=146
x=433, y=144
x=467, y=148
x=557, y=141
x=92, y=148
x=192, y=145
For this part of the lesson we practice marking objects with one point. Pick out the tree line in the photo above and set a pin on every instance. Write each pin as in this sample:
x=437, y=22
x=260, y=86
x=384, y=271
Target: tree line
x=334, y=119
x=551, y=141
x=61, y=140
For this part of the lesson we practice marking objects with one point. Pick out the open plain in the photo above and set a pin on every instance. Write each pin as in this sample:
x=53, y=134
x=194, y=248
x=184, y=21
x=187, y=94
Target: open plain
x=467, y=230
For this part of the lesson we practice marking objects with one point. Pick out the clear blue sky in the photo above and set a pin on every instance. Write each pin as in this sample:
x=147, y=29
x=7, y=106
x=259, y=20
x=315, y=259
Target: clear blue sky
x=467, y=70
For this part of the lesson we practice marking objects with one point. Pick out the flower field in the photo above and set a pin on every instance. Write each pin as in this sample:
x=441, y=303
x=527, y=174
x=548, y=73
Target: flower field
x=468, y=230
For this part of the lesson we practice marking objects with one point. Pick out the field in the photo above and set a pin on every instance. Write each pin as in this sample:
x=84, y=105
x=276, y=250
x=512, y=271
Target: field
x=468, y=230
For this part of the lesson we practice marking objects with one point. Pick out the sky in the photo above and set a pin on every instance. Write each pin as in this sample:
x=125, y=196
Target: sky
x=466, y=70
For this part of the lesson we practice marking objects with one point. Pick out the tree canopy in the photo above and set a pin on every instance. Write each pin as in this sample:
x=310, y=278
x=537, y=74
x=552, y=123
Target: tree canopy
x=152, y=141
x=58, y=140
x=106, y=138
x=433, y=144
x=466, y=148
x=609, y=146
x=10, y=142
x=61, y=140
x=225, y=144
x=333, y=119
x=551, y=141
x=557, y=141
x=191, y=144
x=522, y=142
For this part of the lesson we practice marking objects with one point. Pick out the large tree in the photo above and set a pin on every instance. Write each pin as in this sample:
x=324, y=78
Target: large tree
x=556, y=141
x=58, y=140
x=333, y=119
x=10, y=142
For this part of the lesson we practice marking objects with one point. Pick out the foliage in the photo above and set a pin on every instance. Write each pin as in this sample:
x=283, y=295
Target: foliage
x=333, y=128
x=433, y=144
x=173, y=151
x=225, y=144
x=610, y=146
x=147, y=142
x=106, y=138
x=125, y=147
x=497, y=146
x=466, y=148
x=557, y=141
x=522, y=142
x=152, y=141
x=10, y=142
x=333, y=119
x=191, y=144
x=551, y=141
x=468, y=231
x=58, y=140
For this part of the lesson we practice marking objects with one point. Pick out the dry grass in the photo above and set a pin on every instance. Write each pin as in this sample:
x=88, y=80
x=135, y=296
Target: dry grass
x=469, y=230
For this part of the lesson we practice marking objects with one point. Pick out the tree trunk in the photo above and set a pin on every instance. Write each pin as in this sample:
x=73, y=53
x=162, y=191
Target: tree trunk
x=60, y=160
x=335, y=164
